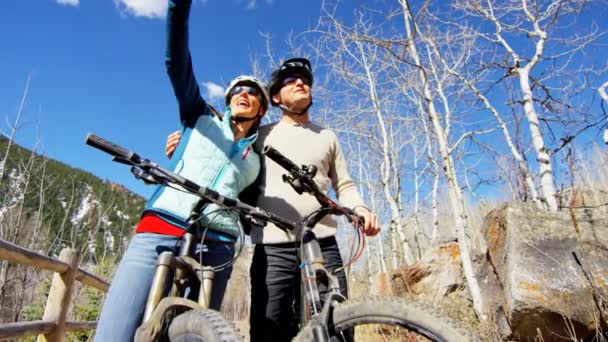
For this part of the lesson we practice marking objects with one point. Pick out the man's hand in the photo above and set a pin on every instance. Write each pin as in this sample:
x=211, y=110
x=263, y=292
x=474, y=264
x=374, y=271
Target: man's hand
x=371, y=225
x=172, y=141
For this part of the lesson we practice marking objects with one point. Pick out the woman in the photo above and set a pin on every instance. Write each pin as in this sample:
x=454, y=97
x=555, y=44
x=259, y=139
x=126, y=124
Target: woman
x=215, y=151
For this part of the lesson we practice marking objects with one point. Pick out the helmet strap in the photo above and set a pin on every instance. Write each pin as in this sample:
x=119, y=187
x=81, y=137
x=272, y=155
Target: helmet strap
x=292, y=111
x=256, y=117
x=239, y=119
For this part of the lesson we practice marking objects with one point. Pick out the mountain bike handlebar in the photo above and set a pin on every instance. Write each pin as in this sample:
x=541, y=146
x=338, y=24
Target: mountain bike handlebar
x=301, y=179
x=111, y=148
x=151, y=173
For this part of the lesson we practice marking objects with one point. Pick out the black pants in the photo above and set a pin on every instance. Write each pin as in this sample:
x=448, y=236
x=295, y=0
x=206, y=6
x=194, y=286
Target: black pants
x=275, y=284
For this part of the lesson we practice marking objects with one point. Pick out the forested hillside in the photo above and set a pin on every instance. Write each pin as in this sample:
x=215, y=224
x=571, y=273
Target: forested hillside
x=45, y=206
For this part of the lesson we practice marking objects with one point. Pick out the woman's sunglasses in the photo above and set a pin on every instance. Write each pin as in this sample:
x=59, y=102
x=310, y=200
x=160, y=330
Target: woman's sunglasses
x=253, y=91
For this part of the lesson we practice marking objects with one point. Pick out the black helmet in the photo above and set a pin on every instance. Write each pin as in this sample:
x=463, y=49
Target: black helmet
x=292, y=66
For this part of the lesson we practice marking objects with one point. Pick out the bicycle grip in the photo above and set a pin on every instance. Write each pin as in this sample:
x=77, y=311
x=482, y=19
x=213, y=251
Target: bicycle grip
x=355, y=216
x=280, y=159
x=109, y=147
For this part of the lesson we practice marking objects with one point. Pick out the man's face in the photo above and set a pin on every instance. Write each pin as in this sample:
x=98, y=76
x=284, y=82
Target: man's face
x=295, y=92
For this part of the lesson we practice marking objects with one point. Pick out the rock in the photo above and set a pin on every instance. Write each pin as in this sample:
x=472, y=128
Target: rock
x=552, y=268
x=437, y=279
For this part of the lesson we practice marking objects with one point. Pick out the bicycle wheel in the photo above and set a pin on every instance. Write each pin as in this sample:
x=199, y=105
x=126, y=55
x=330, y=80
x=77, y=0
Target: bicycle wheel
x=391, y=319
x=202, y=326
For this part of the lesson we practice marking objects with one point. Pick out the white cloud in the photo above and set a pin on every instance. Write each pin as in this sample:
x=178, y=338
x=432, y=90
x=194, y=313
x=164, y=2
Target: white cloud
x=68, y=2
x=251, y=4
x=214, y=91
x=142, y=8
x=155, y=8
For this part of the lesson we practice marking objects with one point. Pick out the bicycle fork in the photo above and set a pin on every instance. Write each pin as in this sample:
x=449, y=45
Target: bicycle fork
x=182, y=265
x=310, y=303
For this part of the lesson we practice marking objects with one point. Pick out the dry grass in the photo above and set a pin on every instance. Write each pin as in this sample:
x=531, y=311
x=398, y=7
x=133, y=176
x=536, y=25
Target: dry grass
x=385, y=333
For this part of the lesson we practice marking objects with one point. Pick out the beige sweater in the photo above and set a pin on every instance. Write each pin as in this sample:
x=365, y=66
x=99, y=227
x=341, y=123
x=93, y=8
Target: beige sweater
x=303, y=144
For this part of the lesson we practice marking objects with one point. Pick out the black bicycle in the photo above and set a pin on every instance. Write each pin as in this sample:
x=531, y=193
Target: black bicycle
x=324, y=317
x=331, y=316
x=181, y=312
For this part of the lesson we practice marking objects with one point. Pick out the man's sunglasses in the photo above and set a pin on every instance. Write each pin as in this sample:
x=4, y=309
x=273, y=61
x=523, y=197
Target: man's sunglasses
x=291, y=79
x=253, y=91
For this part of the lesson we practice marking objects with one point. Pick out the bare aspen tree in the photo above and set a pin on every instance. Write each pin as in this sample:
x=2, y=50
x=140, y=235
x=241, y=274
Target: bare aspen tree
x=436, y=174
x=375, y=248
x=522, y=70
x=523, y=29
x=26, y=180
x=14, y=127
x=360, y=169
x=604, y=95
x=523, y=167
x=431, y=166
x=357, y=64
x=454, y=192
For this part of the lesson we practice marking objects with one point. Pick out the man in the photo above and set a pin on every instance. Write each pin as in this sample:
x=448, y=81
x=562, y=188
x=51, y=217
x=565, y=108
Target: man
x=274, y=270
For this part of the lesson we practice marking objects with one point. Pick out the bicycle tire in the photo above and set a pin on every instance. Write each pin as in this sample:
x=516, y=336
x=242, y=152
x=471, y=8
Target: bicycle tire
x=405, y=313
x=203, y=326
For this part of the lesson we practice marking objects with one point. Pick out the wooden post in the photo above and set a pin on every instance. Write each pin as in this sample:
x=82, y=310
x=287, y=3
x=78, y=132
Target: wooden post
x=58, y=302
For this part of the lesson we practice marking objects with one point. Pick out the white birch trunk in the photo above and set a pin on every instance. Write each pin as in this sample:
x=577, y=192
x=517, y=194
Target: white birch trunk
x=454, y=192
x=386, y=168
x=521, y=163
x=523, y=74
x=604, y=95
x=542, y=154
x=370, y=266
x=394, y=246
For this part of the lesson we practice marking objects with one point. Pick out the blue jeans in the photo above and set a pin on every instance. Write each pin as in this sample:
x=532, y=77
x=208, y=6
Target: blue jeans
x=125, y=302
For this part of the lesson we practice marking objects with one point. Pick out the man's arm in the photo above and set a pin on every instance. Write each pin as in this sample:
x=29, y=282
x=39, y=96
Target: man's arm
x=172, y=141
x=347, y=193
x=179, y=62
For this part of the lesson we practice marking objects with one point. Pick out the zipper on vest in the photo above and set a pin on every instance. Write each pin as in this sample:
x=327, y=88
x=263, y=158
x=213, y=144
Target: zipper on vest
x=222, y=170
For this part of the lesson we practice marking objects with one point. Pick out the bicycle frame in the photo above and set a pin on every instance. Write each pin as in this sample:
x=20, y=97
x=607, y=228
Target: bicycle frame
x=314, y=312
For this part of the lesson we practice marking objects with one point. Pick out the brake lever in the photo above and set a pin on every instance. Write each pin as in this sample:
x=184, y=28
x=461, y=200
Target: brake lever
x=295, y=183
x=356, y=219
x=144, y=176
x=254, y=220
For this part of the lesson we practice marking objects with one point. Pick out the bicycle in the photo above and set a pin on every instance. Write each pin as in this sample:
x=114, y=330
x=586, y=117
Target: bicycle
x=334, y=315
x=182, y=313
x=322, y=317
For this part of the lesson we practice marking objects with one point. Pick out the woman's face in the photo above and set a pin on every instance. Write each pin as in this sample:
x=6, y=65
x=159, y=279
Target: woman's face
x=245, y=101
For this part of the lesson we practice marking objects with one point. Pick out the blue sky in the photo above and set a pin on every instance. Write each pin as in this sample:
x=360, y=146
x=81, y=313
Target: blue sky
x=97, y=66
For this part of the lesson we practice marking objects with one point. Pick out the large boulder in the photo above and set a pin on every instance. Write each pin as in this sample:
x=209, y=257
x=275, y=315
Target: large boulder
x=552, y=267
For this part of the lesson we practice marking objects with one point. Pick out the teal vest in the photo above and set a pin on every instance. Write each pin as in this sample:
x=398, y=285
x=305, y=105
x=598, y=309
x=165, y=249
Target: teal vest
x=208, y=156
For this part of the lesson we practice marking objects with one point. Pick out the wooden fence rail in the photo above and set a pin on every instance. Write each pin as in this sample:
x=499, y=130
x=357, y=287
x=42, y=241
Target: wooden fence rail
x=53, y=326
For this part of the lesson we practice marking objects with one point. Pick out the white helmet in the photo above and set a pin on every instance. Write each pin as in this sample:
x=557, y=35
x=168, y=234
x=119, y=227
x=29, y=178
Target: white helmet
x=244, y=79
